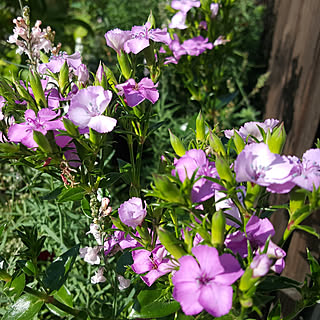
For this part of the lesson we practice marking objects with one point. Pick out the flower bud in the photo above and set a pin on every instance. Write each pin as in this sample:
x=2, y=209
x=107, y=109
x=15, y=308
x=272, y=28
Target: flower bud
x=152, y=20
x=63, y=76
x=171, y=243
x=224, y=170
x=177, y=145
x=37, y=89
x=124, y=65
x=42, y=142
x=252, y=194
x=132, y=212
x=166, y=189
x=297, y=200
x=246, y=280
x=216, y=144
x=276, y=139
x=238, y=142
x=200, y=128
x=110, y=77
x=218, y=224
x=70, y=127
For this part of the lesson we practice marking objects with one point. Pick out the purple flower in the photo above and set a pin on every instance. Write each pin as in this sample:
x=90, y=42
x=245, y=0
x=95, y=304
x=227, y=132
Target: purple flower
x=178, y=21
x=196, y=46
x=250, y=129
x=193, y=160
x=82, y=73
x=206, y=283
x=257, y=230
x=309, y=175
x=184, y=5
x=119, y=241
x=43, y=122
x=276, y=253
x=132, y=213
x=219, y=41
x=56, y=62
x=154, y=263
x=70, y=151
x=116, y=38
x=256, y=163
x=260, y=265
x=203, y=25
x=87, y=106
x=229, y=207
x=135, y=93
x=214, y=7
x=141, y=36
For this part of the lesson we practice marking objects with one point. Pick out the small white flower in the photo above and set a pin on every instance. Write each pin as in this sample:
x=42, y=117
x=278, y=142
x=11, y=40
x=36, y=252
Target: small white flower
x=98, y=277
x=90, y=255
x=123, y=282
x=94, y=230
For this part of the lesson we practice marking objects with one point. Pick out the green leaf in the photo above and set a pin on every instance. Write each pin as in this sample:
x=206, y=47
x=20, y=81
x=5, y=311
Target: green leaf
x=124, y=261
x=25, y=308
x=72, y=194
x=57, y=273
x=64, y=296
x=273, y=283
x=224, y=100
x=313, y=263
x=85, y=206
x=15, y=287
x=275, y=313
x=2, y=228
x=149, y=306
x=52, y=194
x=308, y=229
x=156, y=309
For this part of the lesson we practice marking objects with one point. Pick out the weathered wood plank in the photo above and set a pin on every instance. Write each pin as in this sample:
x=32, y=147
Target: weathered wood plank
x=294, y=97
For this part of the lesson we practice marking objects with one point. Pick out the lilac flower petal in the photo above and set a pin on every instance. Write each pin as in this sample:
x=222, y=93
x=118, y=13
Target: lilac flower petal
x=231, y=270
x=134, y=98
x=258, y=230
x=116, y=38
x=30, y=114
x=187, y=294
x=188, y=272
x=237, y=242
x=17, y=131
x=205, y=255
x=142, y=262
x=80, y=116
x=135, y=46
x=178, y=21
x=152, y=276
x=102, y=124
x=260, y=265
x=216, y=299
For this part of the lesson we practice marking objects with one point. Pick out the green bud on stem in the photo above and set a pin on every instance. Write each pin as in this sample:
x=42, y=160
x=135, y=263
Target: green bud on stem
x=177, y=145
x=171, y=243
x=218, y=225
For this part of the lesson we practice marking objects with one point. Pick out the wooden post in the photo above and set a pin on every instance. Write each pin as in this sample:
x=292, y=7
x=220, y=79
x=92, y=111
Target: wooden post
x=294, y=98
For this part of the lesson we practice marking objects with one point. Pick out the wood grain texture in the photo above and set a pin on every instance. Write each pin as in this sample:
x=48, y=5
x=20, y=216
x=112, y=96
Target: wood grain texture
x=294, y=98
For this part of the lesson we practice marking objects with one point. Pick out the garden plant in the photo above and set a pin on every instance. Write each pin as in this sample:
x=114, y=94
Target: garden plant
x=113, y=239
